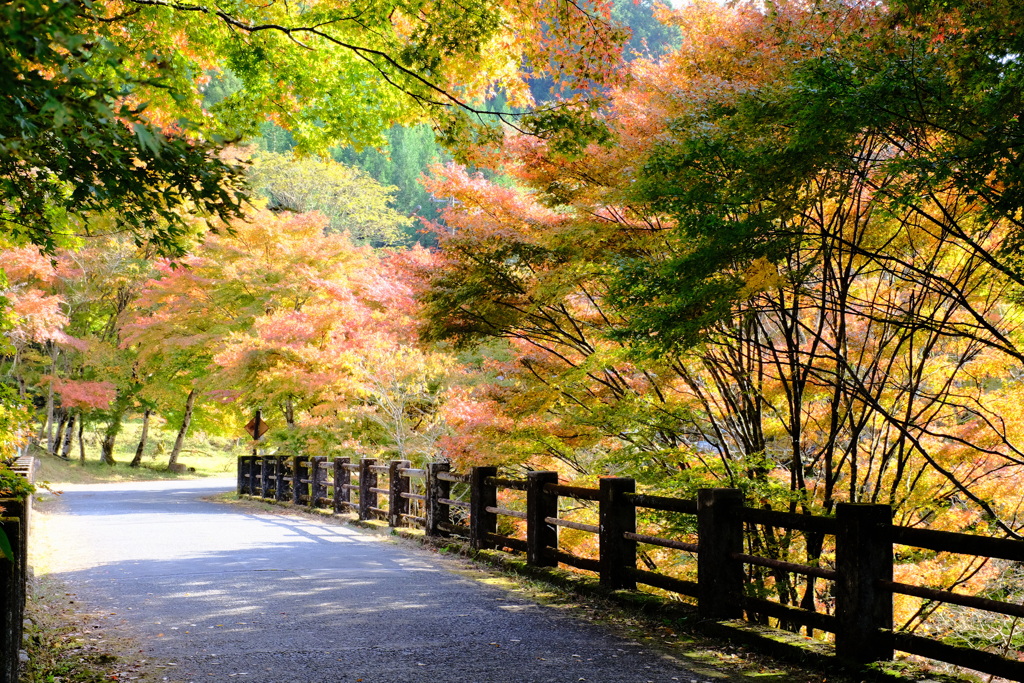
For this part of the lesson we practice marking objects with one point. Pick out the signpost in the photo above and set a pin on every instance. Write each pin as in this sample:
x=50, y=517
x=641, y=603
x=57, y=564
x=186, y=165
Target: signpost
x=257, y=427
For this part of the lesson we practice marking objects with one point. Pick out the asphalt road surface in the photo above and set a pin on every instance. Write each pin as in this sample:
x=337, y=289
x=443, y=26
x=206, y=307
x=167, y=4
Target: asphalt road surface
x=216, y=593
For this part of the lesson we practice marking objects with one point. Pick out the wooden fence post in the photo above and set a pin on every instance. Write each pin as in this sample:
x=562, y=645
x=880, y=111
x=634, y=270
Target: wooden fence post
x=367, y=481
x=264, y=477
x=863, y=607
x=279, y=470
x=241, y=474
x=250, y=474
x=437, y=489
x=398, y=484
x=719, y=536
x=618, y=517
x=300, y=484
x=481, y=496
x=540, y=505
x=12, y=589
x=317, y=480
x=342, y=479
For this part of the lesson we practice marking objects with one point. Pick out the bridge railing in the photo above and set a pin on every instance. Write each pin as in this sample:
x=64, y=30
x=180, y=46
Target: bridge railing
x=15, y=519
x=528, y=516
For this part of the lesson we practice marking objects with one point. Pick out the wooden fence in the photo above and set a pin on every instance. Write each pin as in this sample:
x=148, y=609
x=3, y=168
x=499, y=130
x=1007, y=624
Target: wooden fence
x=14, y=520
x=864, y=536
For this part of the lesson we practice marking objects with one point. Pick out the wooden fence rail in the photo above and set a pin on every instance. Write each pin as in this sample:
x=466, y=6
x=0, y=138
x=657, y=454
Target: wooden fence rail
x=862, y=576
x=14, y=520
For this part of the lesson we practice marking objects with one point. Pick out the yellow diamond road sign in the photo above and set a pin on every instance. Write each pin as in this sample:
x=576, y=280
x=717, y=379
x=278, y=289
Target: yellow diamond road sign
x=251, y=428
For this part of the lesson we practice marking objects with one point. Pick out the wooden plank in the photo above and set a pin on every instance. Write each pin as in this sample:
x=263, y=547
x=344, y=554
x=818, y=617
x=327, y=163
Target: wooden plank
x=974, y=601
x=663, y=542
x=970, y=658
x=789, y=520
x=664, y=503
x=506, y=512
x=592, y=528
x=412, y=472
x=816, y=620
x=514, y=484
x=574, y=560
x=967, y=544
x=500, y=541
x=578, y=492
x=668, y=583
x=803, y=569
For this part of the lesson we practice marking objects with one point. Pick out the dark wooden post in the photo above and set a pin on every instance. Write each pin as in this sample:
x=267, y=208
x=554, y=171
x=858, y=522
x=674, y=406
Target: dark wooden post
x=342, y=479
x=437, y=489
x=863, y=557
x=618, y=517
x=540, y=535
x=279, y=470
x=300, y=483
x=250, y=472
x=481, y=496
x=719, y=536
x=241, y=474
x=264, y=477
x=257, y=423
x=367, y=481
x=317, y=480
x=398, y=484
x=10, y=602
x=13, y=578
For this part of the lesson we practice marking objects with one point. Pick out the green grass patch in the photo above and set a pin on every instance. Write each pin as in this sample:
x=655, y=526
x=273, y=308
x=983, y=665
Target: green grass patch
x=204, y=455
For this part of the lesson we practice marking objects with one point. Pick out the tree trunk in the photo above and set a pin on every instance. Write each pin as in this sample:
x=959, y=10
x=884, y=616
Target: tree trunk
x=109, y=437
x=62, y=422
x=81, y=441
x=69, y=436
x=137, y=460
x=49, y=400
x=186, y=419
x=289, y=413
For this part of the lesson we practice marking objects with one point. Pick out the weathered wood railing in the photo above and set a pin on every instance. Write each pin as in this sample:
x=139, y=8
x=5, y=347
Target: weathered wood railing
x=14, y=520
x=862, y=575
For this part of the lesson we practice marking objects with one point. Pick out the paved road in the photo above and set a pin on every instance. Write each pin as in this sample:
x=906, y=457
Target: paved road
x=220, y=594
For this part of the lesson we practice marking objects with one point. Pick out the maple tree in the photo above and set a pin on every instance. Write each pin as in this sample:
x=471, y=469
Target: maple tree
x=351, y=200
x=104, y=109
x=281, y=315
x=73, y=144
x=738, y=293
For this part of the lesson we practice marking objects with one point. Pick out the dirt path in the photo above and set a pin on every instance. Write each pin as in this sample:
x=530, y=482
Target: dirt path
x=212, y=593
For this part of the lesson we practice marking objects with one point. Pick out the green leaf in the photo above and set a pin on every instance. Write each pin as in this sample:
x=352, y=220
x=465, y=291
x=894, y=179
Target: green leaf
x=5, y=546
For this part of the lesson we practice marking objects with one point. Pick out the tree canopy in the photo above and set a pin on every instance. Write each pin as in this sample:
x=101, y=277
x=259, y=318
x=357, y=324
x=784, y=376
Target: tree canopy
x=104, y=109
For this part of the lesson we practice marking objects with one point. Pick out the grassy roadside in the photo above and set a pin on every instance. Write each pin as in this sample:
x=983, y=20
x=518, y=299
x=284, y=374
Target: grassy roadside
x=204, y=455
x=67, y=644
